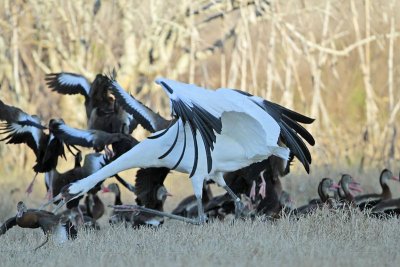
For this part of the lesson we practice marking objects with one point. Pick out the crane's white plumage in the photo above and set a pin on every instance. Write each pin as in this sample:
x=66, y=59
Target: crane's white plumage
x=214, y=132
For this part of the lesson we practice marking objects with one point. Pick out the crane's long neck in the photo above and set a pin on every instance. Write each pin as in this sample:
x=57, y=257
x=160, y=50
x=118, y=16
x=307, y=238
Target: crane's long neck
x=143, y=155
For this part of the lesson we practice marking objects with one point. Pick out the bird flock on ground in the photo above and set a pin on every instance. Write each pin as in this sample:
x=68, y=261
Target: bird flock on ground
x=241, y=142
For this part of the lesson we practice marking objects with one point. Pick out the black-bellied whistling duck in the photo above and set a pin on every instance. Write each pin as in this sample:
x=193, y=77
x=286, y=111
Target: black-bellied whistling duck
x=285, y=202
x=275, y=168
x=102, y=111
x=57, y=181
x=96, y=139
x=94, y=206
x=188, y=206
x=324, y=187
x=118, y=216
x=150, y=120
x=78, y=221
x=387, y=207
x=151, y=193
x=32, y=218
x=368, y=201
x=348, y=186
x=20, y=127
x=268, y=203
x=253, y=181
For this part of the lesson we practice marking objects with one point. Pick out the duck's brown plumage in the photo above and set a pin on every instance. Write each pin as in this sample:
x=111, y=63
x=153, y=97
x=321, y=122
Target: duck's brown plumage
x=94, y=206
x=151, y=193
x=33, y=218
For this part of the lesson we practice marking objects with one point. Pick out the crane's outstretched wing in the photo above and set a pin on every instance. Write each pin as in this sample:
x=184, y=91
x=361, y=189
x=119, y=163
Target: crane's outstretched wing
x=20, y=127
x=68, y=83
x=186, y=106
x=150, y=120
x=10, y=223
x=291, y=131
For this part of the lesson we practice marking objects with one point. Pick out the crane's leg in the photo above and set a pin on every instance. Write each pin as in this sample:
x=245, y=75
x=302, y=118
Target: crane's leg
x=239, y=206
x=197, y=183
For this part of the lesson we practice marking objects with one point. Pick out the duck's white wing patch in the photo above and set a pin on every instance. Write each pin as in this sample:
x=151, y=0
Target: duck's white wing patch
x=141, y=113
x=20, y=127
x=73, y=136
x=68, y=83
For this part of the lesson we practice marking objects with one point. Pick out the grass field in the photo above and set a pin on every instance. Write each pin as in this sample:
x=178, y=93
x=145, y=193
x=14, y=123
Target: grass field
x=326, y=238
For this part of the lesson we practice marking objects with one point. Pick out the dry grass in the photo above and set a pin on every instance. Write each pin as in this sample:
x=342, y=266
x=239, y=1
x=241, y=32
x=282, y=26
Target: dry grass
x=323, y=239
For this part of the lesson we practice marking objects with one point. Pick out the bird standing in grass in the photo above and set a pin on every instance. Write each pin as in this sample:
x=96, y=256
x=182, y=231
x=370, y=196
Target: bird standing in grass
x=33, y=218
x=213, y=132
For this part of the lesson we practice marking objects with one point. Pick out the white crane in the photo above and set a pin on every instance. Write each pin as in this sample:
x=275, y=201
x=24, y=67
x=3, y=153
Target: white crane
x=213, y=132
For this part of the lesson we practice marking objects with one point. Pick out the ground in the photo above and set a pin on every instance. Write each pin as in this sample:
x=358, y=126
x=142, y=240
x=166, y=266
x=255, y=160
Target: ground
x=338, y=238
